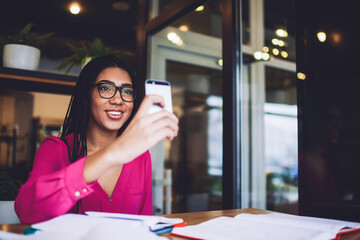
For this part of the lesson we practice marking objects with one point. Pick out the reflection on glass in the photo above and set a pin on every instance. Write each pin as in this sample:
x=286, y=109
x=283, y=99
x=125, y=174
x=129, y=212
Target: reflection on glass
x=206, y=21
x=159, y=6
x=196, y=156
x=280, y=28
x=188, y=54
x=281, y=152
x=245, y=14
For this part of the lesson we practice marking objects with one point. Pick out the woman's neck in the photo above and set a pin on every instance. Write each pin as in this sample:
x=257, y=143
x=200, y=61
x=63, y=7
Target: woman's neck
x=97, y=140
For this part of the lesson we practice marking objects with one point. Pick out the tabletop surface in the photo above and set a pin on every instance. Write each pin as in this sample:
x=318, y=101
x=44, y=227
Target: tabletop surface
x=189, y=218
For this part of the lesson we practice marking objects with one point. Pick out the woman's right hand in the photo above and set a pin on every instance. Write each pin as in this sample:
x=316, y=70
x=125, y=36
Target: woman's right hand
x=146, y=130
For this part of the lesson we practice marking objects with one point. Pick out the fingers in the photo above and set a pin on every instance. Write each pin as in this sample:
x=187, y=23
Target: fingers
x=162, y=114
x=148, y=102
x=163, y=121
x=146, y=130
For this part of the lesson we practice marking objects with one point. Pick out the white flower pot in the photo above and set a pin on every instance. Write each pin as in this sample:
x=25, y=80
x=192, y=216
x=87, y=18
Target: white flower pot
x=21, y=56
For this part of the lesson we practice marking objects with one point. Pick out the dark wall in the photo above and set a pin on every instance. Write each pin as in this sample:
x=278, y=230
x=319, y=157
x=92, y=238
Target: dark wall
x=329, y=111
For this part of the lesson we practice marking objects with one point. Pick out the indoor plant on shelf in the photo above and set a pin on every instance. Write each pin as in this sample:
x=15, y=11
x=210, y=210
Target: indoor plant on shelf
x=86, y=51
x=22, y=50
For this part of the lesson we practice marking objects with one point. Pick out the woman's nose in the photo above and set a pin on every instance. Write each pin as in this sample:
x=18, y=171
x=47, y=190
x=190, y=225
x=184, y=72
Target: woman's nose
x=116, y=99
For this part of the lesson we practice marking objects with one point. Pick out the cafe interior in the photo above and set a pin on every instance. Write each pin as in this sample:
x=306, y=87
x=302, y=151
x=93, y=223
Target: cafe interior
x=266, y=92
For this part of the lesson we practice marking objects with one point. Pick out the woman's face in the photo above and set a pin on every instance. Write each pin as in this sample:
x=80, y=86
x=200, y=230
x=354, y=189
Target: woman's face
x=109, y=114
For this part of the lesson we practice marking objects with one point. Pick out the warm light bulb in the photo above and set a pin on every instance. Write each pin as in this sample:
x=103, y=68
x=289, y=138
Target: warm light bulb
x=281, y=32
x=336, y=37
x=74, y=8
x=301, y=76
x=275, y=41
x=266, y=49
x=265, y=56
x=281, y=43
x=220, y=62
x=275, y=51
x=284, y=54
x=200, y=8
x=258, y=55
x=184, y=28
x=174, y=38
x=321, y=36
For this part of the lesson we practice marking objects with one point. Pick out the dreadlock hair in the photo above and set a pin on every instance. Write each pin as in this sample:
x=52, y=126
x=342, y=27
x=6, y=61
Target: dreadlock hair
x=77, y=116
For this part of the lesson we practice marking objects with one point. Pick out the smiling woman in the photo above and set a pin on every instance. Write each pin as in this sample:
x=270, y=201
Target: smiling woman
x=117, y=110
x=101, y=160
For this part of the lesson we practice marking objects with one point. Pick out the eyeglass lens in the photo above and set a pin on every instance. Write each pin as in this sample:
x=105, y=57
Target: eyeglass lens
x=108, y=91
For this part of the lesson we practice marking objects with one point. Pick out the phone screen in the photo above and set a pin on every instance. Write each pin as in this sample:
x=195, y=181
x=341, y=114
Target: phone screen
x=162, y=88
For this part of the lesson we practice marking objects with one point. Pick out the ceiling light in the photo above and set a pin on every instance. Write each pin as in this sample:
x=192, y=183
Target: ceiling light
x=321, y=36
x=281, y=32
x=74, y=8
x=301, y=76
x=275, y=41
x=174, y=38
x=200, y=8
x=275, y=51
x=284, y=54
x=184, y=28
x=281, y=43
x=258, y=55
x=337, y=38
x=265, y=56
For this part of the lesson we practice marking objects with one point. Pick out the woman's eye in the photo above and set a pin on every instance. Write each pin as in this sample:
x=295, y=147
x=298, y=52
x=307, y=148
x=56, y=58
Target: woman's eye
x=105, y=88
x=128, y=91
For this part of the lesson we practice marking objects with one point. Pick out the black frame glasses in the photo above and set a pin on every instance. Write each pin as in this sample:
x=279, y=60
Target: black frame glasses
x=115, y=89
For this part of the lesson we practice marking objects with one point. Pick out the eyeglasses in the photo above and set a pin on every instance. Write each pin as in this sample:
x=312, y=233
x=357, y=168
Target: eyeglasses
x=108, y=90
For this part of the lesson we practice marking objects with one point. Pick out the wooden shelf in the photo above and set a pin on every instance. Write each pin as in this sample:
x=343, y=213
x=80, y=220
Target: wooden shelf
x=37, y=81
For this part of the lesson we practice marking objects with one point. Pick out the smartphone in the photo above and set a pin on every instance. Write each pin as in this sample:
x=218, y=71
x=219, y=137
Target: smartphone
x=162, y=88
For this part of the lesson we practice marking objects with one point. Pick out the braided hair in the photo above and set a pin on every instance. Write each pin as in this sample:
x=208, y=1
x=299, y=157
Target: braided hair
x=77, y=116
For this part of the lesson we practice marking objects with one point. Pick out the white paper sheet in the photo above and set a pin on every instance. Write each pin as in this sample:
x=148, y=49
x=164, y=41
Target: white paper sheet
x=265, y=227
x=324, y=224
x=83, y=227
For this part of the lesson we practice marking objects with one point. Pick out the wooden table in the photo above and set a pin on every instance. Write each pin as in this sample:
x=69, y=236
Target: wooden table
x=189, y=218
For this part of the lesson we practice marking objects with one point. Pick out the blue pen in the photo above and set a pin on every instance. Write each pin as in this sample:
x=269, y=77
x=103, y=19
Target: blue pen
x=30, y=230
x=163, y=230
x=123, y=218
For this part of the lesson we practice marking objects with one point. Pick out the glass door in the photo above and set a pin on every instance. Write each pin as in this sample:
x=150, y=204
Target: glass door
x=187, y=172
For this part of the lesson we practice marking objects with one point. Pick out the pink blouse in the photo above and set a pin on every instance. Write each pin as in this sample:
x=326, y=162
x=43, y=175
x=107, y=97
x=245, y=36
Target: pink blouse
x=55, y=186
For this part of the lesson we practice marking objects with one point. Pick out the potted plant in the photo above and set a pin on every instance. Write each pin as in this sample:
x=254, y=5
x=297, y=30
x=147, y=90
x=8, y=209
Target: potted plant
x=22, y=50
x=86, y=51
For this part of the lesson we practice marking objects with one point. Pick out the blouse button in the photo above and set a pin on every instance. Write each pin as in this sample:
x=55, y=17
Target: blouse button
x=84, y=190
x=77, y=194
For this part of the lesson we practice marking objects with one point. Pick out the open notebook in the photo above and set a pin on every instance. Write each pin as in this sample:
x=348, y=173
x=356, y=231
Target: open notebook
x=266, y=226
x=153, y=222
x=79, y=227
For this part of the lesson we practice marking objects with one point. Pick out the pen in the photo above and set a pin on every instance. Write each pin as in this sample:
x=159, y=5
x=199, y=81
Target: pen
x=29, y=231
x=163, y=230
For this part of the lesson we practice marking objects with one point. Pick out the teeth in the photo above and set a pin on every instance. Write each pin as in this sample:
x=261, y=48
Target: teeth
x=114, y=113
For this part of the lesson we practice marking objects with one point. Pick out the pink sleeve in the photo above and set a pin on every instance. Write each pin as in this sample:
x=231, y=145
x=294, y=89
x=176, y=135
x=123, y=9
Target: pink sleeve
x=147, y=208
x=54, y=185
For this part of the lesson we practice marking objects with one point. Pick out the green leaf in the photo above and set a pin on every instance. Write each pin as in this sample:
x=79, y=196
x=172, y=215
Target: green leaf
x=93, y=49
x=26, y=37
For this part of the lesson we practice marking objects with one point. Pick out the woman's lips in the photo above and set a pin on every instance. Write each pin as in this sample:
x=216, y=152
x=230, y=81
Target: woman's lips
x=114, y=114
